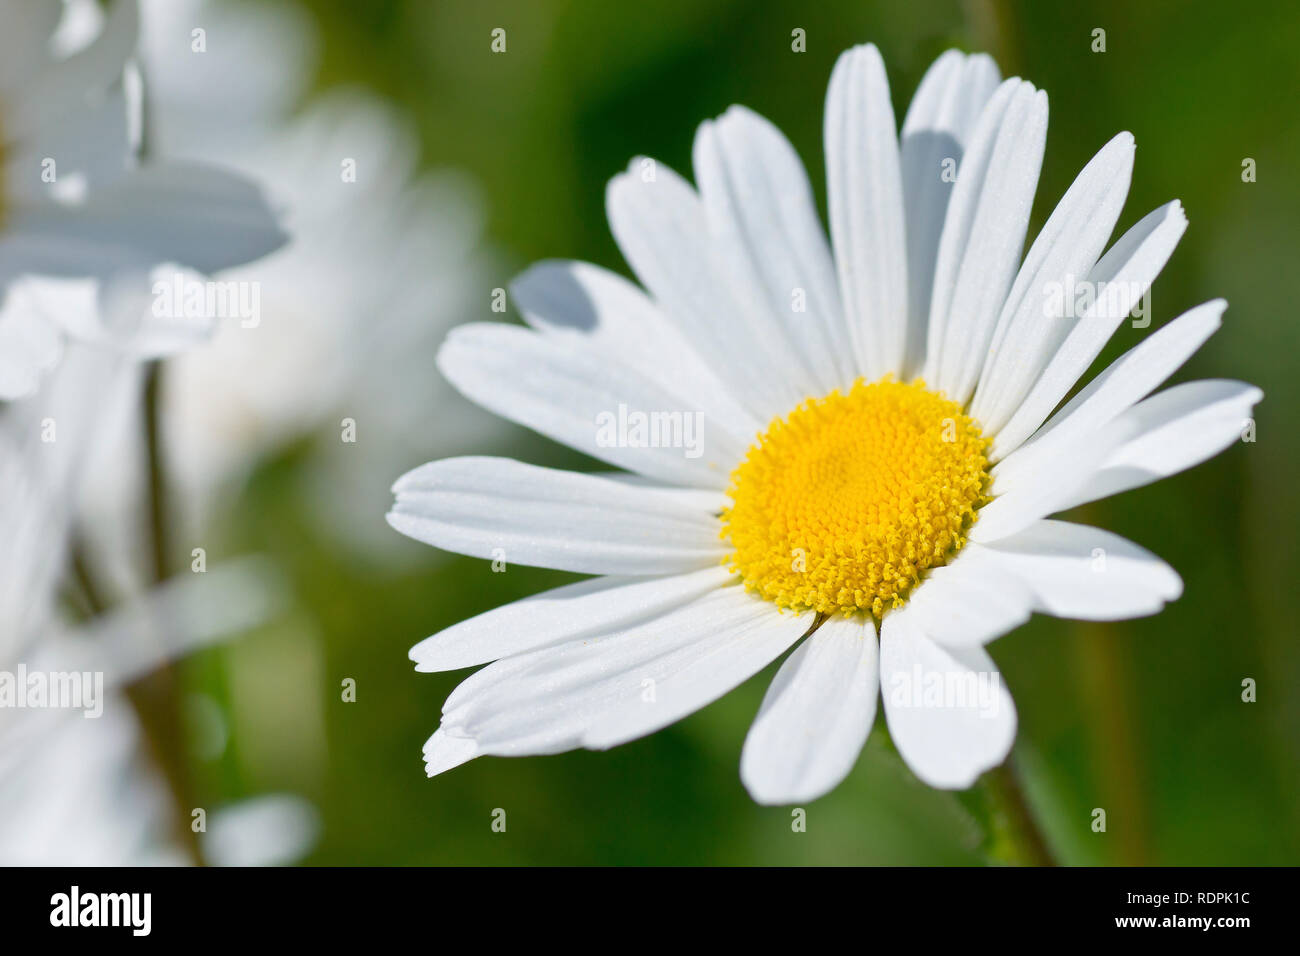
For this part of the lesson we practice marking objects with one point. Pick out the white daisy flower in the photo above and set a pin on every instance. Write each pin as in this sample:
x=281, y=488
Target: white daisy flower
x=80, y=215
x=879, y=453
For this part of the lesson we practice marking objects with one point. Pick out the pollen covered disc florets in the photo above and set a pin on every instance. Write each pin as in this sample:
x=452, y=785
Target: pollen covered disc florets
x=846, y=502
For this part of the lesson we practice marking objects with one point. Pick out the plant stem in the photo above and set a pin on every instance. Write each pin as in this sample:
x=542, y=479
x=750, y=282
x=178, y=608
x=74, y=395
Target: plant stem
x=1015, y=818
x=157, y=488
x=156, y=698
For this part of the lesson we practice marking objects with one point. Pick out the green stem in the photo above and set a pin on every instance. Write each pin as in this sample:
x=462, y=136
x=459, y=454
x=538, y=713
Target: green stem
x=156, y=698
x=157, y=487
x=1014, y=818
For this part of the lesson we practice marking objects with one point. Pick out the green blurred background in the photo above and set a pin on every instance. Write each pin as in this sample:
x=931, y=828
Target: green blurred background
x=1142, y=718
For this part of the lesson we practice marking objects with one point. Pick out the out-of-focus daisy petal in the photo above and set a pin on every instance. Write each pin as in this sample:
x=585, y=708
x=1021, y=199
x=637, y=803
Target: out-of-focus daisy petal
x=65, y=82
x=29, y=345
x=29, y=28
x=273, y=829
x=198, y=216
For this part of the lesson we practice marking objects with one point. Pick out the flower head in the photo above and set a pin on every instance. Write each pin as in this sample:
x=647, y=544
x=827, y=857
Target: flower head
x=881, y=450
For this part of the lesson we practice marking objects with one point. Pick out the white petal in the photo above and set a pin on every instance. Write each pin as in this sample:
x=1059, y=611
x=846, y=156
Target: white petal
x=948, y=712
x=1169, y=432
x=1035, y=319
x=585, y=609
x=1072, y=570
x=594, y=309
x=606, y=409
x=708, y=500
x=597, y=692
x=661, y=227
x=29, y=343
x=29, y=29
x=983, y=235
x=760, y=209
x=545, y=517
x=1054, y=487
x=90, y=141
x=1126, y=381
x=969, y=602
x=1125, y=272
x=865, y=198
x=194, y=215
x=940, y=120
x=815, y=716
x=69, y=81
x=272, y=829
x=444, y=751
x=169, y=622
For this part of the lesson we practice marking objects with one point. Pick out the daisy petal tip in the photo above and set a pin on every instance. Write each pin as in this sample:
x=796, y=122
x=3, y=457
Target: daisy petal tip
x=1172, y=220
x=868, y=50
x=628, y=174
x=417, y=479
x=419, y=656
x=962, y=778
x=446, y=358
x=537, y=279
x=863, y=56
x=737, y=113
x=444, y=751
x=771, y=793
x=766, y=797
x=402, y=524
x=951, y=777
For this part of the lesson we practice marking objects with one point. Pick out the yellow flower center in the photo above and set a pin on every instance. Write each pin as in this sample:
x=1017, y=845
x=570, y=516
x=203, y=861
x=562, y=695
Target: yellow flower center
x=846, y=502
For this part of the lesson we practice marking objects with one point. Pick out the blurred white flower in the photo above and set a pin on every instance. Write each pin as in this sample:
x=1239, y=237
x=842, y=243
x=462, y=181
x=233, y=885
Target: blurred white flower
x=273, y=829
x=82, y=794
x=76, y=789
x=384, y=261
x=80, y=217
